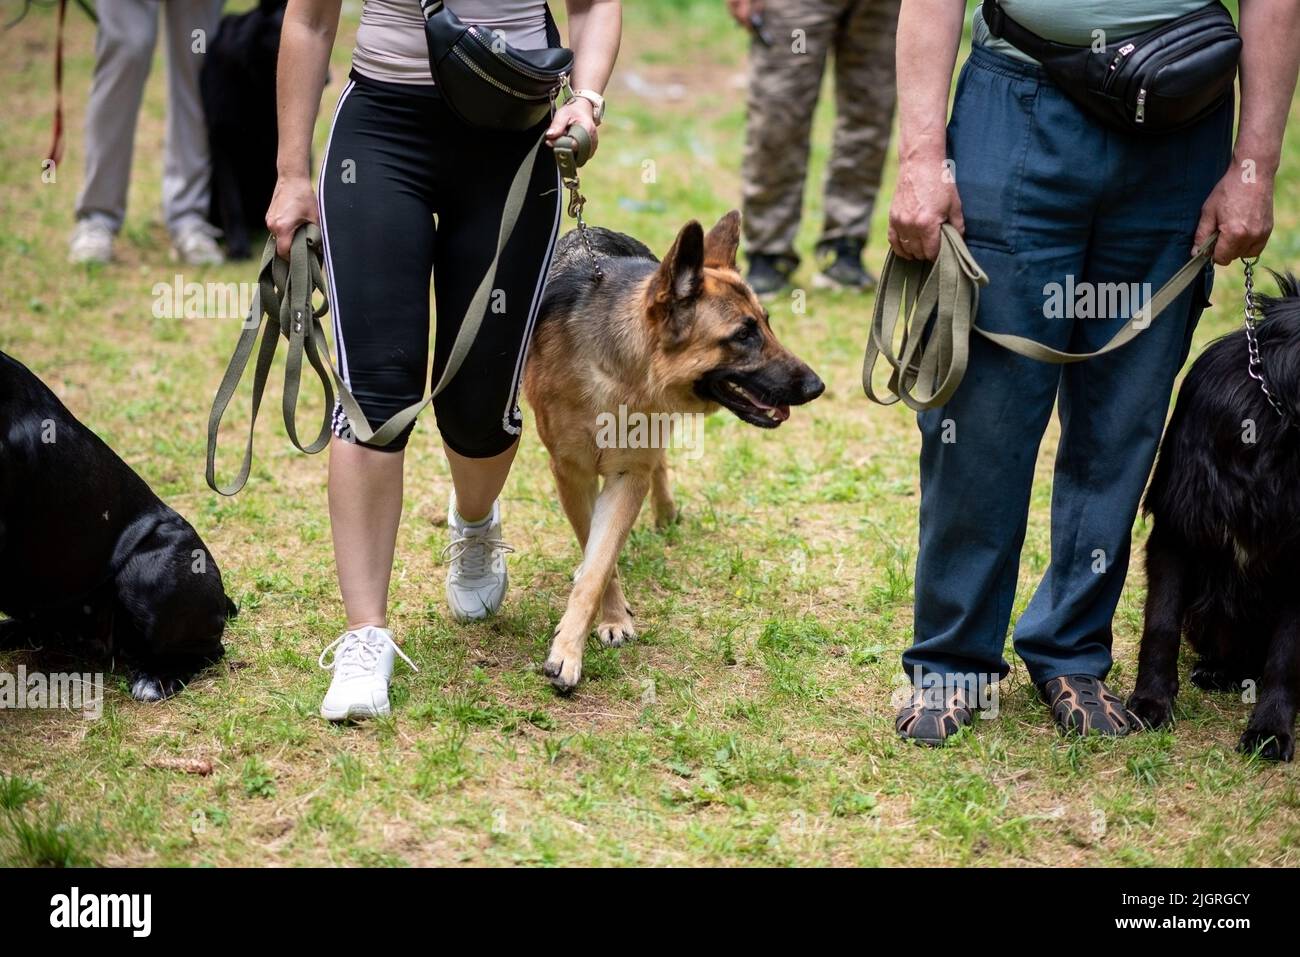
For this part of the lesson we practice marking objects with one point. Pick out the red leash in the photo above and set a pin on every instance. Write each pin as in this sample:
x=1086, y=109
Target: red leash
x=56, y=147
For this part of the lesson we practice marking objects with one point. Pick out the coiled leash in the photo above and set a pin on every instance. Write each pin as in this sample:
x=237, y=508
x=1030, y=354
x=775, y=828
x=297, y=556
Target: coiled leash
x=286, y=298
x=936, y=302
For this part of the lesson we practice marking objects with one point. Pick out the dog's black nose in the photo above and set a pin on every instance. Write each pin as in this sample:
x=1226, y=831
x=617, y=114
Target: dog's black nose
x=811, y=386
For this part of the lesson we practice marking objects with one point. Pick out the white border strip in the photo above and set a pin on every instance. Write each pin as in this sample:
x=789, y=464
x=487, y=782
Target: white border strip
x=512, y=402
x=324, y=231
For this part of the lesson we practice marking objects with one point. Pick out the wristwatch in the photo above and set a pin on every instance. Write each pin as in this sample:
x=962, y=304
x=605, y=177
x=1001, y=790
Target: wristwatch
x=597, y=103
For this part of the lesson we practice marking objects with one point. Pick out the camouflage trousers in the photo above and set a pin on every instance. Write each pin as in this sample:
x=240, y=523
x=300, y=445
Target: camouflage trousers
x=784, y=82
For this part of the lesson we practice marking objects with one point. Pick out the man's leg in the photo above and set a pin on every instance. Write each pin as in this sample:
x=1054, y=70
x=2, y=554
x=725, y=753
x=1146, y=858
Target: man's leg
x=123, y=52
x=784, y=80
x=1026, y=221
x=864, y=105
x=1113, y=408
x=186, y=164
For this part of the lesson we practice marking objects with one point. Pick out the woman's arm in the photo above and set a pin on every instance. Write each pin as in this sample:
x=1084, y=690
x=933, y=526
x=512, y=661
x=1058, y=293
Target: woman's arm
x=306, y=40
x=595, y=27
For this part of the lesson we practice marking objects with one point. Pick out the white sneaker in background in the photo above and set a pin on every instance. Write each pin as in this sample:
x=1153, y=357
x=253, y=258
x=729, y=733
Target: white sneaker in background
x=91, y=242
x=197, y=246
x=477, y=578
x=363, y=667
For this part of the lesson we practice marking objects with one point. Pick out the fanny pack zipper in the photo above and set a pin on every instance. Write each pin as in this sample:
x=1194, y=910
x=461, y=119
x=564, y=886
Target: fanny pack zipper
x=464, y=58
x=512, y=62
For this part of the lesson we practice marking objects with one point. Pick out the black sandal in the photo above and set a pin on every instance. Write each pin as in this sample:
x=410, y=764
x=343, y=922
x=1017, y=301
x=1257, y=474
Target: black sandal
x=920, y=720
x=1082, y=704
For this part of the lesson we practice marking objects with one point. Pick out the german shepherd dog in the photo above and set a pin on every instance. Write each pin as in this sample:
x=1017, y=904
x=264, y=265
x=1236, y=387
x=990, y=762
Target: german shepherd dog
x=1224, y=549
x=683, y=336
x=91, y=561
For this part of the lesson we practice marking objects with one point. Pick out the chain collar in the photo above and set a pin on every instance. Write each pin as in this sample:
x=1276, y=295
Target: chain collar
x=1254, y=363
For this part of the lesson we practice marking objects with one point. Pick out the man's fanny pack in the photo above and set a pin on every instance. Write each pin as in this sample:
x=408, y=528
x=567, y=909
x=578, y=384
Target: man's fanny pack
x=487, y=82
x=1161, y=80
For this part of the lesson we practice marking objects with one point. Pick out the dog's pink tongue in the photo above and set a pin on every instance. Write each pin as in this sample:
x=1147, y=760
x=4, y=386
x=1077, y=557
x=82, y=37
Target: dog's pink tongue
x=782, y=412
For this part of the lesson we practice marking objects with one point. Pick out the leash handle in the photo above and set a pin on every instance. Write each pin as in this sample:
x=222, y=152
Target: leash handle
x=572, y=150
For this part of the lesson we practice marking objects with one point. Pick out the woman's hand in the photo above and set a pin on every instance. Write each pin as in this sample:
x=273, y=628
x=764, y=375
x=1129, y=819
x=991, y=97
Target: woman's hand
x=578, y=110
x=292, y=204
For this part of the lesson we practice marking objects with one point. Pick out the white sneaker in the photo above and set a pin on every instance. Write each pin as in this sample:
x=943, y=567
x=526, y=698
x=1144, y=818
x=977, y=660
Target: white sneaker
x=362, y=666
x=197, y=246
x=477, y=579
x=92, y=242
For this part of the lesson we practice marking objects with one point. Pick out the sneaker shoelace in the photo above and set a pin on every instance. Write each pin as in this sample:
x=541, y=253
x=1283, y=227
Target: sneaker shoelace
x=359, y=655
x=473, y=554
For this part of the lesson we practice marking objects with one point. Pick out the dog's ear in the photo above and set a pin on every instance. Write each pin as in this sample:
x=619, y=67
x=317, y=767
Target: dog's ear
x=681, y=274
x=723, y=240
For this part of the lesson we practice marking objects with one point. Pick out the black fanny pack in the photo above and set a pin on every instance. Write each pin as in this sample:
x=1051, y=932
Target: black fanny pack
x=484, y=79
x=487, y=82
x=1155, y=82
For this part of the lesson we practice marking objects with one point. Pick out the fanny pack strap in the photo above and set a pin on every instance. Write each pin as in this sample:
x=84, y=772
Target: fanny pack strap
x=933, y=352
x=284, y=298
x=1004, y=27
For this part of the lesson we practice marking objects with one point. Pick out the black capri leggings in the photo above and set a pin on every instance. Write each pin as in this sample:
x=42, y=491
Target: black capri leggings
x=397, y=158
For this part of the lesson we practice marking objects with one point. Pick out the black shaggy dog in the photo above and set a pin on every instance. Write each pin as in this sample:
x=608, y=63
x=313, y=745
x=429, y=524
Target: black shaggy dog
x=238, y=89
x=1223, y=559
x=91, y=561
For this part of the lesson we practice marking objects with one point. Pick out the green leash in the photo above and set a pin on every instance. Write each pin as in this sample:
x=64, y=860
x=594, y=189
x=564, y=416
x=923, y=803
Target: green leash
x=936, y=303
x=284, y=298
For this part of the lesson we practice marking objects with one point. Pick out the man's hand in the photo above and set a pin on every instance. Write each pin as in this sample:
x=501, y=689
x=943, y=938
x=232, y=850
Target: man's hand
x=1242, y=212
x=742, y=10
x=925, y=197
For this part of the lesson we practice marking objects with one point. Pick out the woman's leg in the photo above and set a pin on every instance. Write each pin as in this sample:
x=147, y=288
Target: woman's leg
x=377, y=221
x=365, y=494
x=376, y=216
x=478, y=413
x=478, y=482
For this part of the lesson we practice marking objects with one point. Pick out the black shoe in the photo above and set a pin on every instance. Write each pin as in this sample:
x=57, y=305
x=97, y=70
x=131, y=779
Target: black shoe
x=1083, y=704
x=933, y=715
x=840, y=262
x=769, y=274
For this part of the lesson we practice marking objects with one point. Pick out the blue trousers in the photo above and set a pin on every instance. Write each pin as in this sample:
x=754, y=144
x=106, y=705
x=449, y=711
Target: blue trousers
x=1053, y=203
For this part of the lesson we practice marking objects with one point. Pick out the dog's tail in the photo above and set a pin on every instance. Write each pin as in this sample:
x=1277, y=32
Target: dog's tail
x=232, y=610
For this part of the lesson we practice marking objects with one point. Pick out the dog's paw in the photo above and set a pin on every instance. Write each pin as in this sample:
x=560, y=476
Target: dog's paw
x=149, y=689
x=1272, y=744
x=563, y=670
x=1151, y=712
x=616, y=631
x=564, y=664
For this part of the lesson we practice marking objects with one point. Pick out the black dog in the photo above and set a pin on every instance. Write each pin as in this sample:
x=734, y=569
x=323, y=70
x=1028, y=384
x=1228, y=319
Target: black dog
x=90, y=558
x=1224, y=550
x=238, y=89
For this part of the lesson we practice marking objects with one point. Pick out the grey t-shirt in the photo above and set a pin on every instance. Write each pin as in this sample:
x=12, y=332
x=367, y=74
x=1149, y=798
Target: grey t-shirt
x=1073, y=21
x=390, y=39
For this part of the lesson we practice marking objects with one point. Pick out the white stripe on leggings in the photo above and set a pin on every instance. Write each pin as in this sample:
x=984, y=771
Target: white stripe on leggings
x=512, y=400
x=329, y=262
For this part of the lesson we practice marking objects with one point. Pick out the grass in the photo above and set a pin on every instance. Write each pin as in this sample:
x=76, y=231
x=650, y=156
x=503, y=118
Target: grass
x=751, y=722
